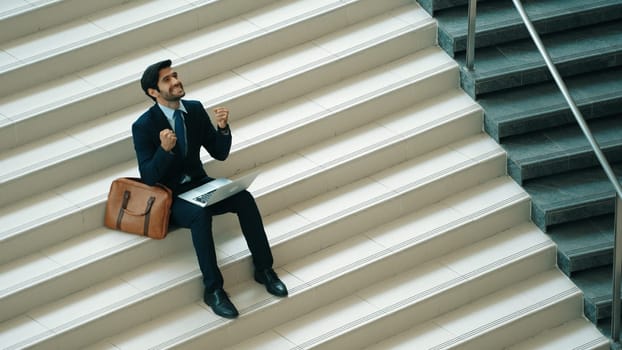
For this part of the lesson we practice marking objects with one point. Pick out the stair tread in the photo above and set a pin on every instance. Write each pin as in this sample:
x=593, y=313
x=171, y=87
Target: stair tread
x=595, y=283
x=584, y=244
x=541, y=106
x=519, y=63
x=498, y=21
x=168, y=271
x=562, y=149
x=571, y=196
x=577, y=334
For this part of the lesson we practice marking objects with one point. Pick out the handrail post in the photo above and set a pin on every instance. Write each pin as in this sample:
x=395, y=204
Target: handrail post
x=617, y=272
x=470, y=45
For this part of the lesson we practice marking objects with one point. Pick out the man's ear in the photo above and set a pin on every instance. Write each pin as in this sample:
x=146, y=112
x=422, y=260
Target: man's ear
x=153, y=92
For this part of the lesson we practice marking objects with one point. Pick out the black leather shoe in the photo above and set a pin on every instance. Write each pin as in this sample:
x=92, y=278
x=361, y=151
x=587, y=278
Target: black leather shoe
x=220, y=303
x=272, y=282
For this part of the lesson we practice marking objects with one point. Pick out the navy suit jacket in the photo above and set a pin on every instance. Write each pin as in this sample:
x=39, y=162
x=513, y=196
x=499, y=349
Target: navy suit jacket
x=167, y=168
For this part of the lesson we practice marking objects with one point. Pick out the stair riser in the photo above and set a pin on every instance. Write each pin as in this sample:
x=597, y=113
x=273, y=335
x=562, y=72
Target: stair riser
x=579, y=159
x=600, y=204
x=49, y=287
x=538, y=74
x=552, y=117
x=400, y=318
x=515, y=29
x=373, y=272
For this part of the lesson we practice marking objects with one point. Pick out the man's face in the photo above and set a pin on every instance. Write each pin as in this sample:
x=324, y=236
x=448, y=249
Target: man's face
x=171, y=88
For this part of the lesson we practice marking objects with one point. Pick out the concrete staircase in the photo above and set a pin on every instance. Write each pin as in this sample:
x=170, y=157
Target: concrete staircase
x=392, y=218
x=572, y=199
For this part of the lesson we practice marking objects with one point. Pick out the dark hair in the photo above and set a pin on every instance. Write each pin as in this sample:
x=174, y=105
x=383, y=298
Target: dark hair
x=151, y=76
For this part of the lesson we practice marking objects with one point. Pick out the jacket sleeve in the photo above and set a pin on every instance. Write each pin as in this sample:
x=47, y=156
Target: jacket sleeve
x=153, y=161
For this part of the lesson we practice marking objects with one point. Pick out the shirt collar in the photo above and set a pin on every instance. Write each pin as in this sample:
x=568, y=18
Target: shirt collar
x=169, y=112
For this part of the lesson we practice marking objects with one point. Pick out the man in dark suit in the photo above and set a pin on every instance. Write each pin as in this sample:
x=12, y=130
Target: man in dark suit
x=167, y=140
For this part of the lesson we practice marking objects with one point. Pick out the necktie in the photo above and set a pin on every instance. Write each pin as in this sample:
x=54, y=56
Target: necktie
x=180, y=131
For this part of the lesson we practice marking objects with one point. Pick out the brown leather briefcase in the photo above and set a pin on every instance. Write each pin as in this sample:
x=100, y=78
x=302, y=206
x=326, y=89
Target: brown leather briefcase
x=137, y=208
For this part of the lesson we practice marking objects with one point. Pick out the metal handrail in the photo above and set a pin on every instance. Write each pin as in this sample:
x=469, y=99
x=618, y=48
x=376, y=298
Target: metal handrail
x=617, y=249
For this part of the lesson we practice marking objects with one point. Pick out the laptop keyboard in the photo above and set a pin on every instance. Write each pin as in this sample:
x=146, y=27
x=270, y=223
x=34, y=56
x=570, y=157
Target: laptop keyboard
x=204, y=197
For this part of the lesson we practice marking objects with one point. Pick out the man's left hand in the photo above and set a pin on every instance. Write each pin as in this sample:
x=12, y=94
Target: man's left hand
x=222, y=116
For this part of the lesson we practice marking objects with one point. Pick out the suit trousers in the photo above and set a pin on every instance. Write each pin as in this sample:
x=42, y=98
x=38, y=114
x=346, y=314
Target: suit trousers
x=199, y=221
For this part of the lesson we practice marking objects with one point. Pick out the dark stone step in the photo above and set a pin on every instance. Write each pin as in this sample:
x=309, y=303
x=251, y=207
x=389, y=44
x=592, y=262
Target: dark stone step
x=434, y=5
x=597, y=289
x=541, y=106
x=498, y=21
x=604, y=326
x=520, y=63
x=584, y=244
x=562, y=149
x=571, y=196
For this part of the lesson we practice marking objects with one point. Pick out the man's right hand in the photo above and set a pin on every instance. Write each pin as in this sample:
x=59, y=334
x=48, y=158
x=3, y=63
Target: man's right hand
x=168, y=139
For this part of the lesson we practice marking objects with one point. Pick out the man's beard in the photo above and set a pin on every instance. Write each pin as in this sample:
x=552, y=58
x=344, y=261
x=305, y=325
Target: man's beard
x=171, y=97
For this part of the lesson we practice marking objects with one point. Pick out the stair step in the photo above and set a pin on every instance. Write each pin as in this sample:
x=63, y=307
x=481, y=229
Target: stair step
x=562, y=149
x=519, y=63
x=498, y=21
x=54, y=160
x=597, y=288
x=571, y=196
x=335, y=275
x=434, y=5
x=517, y=111
x=501, y=318
x=83, y=94
x=575, y=334
x=145, y=289
x=584, y=244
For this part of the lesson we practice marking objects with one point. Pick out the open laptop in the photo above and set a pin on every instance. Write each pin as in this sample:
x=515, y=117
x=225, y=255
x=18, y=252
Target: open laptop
x=217, y=190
